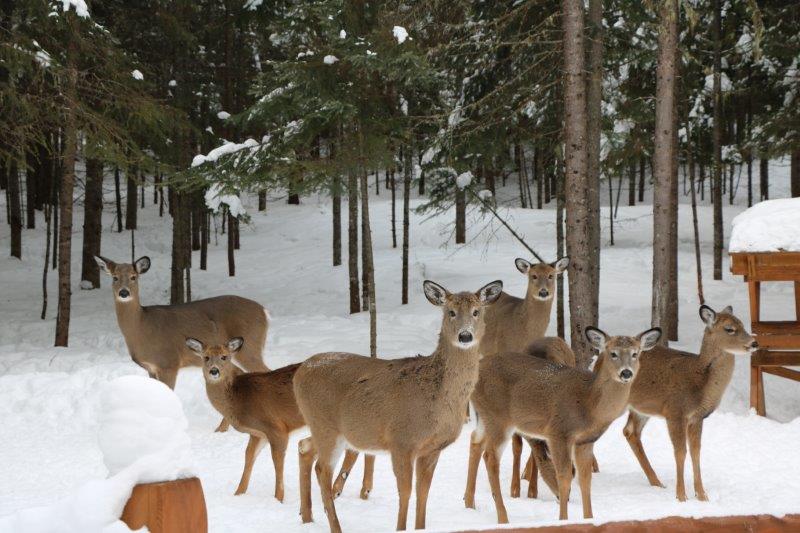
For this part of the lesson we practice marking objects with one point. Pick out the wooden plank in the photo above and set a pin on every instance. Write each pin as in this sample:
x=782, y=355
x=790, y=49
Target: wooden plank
x=789, y=342
x=767, y=266
x=765, y=358
x=755, y=302
x=787, y=373
x=786, y=327
x=169, y=507
x=755, y=370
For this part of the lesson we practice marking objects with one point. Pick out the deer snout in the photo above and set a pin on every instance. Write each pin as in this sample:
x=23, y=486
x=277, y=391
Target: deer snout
x=124, y=293
x=753, y=346
x=544, y=293
x=626, y=375
x=465, y=337
x=214, y=372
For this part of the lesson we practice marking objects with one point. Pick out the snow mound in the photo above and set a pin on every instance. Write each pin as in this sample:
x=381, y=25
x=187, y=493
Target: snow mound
x=400, y=34
x=769, y=226
x=463, y=180
x=330, y=60
x=137, y=75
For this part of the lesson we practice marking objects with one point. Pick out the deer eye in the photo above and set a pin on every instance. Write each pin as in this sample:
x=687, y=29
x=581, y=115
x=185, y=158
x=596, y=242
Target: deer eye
x=452, y=313
x=634, y=355
x=535, y=276
x=224, y=357
x=133, y=278
x=730, y=330
x=614, y=355
x=550, y=276
x=475, y=313
x=116, y=278
x=206, y=359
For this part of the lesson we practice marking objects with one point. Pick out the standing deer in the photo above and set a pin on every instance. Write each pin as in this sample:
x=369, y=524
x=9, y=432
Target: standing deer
x=684, y=389
x=412, y=407
x=569, y=408
x=155, y=334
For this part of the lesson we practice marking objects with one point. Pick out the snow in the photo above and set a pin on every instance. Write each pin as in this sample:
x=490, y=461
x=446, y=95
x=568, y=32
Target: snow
x=223, y=115
x=225, y=149
x=51, y=398
x=80, y=7
x=725, y=83
x=329, y=59
x=137, y=75
x=86, y=285
x=400, y=34
x=172, y=83
x=484, y=194
x=342, y=34
x=464, y=179
x=215, y=198
x=769, y=226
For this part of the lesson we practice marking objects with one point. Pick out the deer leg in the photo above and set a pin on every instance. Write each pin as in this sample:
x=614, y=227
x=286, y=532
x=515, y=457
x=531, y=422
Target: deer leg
x=403, y=467
x=677, y=433
x=595, y=466
x=326, y=459
x=516, y=450
x=695, y=431
x=562, y=463
x=583, y=461
x=277, y=445
x=532, y=468
x=491, y=457
x=425, y=467
x=633, y=434
x=254, y=446
x=369, y=471
x=168, y=376
x=223, y=426
x=526, y=472
x=306, y=453
x=544, y=464
x=350, y=457
x=475, y=449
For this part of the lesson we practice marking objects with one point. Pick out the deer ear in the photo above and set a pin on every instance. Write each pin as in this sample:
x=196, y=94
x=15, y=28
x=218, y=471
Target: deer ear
x=728, y=310
x=142, y=264
x=434, y=292
x=649, y=339
x=561, y=265
x=489, y=293
x=195, y=345
x=235, y=344
x=107, y=265
x=596, y=337
x=708, y=315
x=522, y=265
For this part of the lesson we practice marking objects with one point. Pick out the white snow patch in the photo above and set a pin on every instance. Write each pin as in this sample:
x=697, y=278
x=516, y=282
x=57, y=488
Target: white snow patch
x=81, y=9
x=173, y=83
x=137, y=75
x=725, y=83
x=223, y=115
x=86, y=285
x=485, y=194
x=330, y=59
x=400, y=33
x=215, y=198
x=464, y=179
x=769, y=226
x=342, y=34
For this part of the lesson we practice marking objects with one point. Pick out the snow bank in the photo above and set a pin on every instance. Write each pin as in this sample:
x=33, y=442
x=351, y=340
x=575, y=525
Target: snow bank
x=769, y=226
x=143, y=439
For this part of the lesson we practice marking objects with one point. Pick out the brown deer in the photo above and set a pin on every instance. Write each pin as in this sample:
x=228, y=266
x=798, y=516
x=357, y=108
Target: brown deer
x=155, y=334
x=260, y=404
x=412, y=407
x=684, y=389
x=567, y=407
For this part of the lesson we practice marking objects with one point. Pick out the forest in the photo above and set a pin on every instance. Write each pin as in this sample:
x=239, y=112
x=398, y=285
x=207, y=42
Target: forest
x=326, y=156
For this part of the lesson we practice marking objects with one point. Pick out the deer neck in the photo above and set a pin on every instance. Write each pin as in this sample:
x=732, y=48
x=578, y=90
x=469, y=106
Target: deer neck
x=716, y=368
x=220, y=394
x=608, y=396
x=456, y=368
x=534, y=307
x=129, y=315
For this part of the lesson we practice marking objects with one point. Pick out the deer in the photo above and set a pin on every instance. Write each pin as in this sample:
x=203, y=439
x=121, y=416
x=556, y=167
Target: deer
x=684, y=388
x=411, y=407
x=568, y=408
x=155, y=334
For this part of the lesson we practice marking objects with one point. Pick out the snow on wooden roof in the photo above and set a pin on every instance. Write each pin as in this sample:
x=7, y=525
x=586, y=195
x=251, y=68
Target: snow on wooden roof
x=769, y=226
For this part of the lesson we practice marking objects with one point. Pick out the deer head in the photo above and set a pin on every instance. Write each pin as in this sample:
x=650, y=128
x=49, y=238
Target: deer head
x=727, y=331
x=542, y=276
x=125, y=276
x=619, y=355
x=217, y=360
x=462, y=320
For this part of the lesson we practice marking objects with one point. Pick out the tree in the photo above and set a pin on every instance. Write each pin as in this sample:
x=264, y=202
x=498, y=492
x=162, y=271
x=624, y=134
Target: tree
x=14, y=210
x=717, y=178
x=665, y=165
x=92, y=223
x=577, y=203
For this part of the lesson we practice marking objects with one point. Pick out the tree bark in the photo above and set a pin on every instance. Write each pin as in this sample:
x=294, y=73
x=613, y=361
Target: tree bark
x=560, y=252
x=407, y=176
x=695, y=225
x=632, y=183
x=14, y=211
x=594, y=98
x=178, y=267
x=204, y=238
x=131, y=200
x=118, y=199
x=352, y=241
x=369, y=264
x=30, y=190
x=717, y=185
x=461, y=216
x=576, y=191
x=392, y=184
x=231, y=244
x=92, y=222
x=641, y=178
x=336, y=195
x=763, y=176
x=795, y=173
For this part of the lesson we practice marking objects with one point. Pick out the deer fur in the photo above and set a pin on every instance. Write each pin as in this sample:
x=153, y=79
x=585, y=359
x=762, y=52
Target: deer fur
x=685, y=388
x=513, y=323
x=412, y=407
x=260, y=404
x=155, y=334
x=567, y=407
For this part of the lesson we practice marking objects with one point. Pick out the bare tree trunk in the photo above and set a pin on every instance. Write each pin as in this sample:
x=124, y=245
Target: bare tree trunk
x=352, y=241
x=547, y=180
x=48, y=212
x=421, y=183
x=576, y=190
x=141, y=193
x=15, y=211
x=641, y=178
x=92, y=222
x=632, y=183
x=717, y=185
x=663, y=161
x=30, y=191
x=57, y=204
x=196, y=215
x=118, y=198
x=407, y=176
x=204, y=238
x=695, y=225
x=262, y=200
x=461, y=216
x=336, y=194
x=161, y=198
x=672, y=300
x=369, y=265
x=392, y=184
x=611, y=209
x=231, y=244
x=131, y=200
x=178, y=206
x=594, y=98
x=795, y=173
x=538, y=170
x=156, y=186
x=560, y=252
x=763, y=176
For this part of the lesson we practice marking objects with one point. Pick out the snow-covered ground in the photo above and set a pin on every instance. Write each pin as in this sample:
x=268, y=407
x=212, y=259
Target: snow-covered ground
x=50, y=397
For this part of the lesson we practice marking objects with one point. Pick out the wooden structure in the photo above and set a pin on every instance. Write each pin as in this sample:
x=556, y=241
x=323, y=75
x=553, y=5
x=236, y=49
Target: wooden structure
x=779, y=341
x=168, y=507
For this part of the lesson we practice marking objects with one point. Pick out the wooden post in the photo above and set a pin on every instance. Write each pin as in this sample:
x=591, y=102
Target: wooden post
x=169, y=507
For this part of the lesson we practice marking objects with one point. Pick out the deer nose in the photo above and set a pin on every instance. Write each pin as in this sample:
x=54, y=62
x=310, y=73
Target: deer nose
x=626, y=374
x=754, y=345
x=465, y=337
x=214, y=371
x=124, y=293
x=544, y=293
